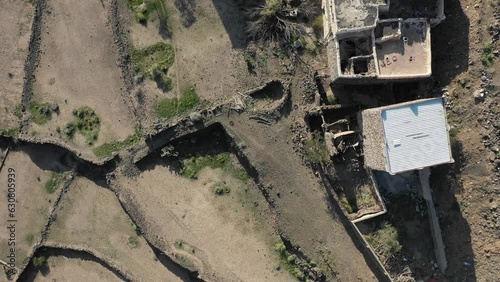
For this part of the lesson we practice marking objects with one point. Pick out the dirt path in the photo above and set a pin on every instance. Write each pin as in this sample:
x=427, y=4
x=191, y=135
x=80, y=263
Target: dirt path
x=303, y=213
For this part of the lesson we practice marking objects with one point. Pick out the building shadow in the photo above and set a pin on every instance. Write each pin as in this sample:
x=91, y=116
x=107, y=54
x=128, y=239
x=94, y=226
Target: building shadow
x=382, y=94
x=450, y=44
x=233, y=19
x=455, y=228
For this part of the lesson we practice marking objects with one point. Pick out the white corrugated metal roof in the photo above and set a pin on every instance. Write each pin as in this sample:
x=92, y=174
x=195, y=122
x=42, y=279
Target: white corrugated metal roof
x=416, y=136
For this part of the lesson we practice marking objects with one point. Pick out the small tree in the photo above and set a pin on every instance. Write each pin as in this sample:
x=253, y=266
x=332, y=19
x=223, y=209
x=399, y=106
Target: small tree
x=315, y=150
x=39, y=261
x=385, y=241
x=277, y=19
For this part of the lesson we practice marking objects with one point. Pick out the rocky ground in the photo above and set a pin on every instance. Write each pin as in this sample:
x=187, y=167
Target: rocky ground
x=467, y=193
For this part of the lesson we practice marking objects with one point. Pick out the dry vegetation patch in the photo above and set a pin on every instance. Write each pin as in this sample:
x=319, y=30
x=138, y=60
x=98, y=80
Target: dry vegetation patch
x=171, y=107
x=108, y=149
x=385, y=242
x=153, y=63
x=41, y=113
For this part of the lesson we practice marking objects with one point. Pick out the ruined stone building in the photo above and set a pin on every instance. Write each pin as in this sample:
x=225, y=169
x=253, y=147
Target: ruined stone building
x=407, y=136
x=380, y=40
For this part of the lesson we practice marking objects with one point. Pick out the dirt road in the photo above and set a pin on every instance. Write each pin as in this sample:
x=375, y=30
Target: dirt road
x=302, y=209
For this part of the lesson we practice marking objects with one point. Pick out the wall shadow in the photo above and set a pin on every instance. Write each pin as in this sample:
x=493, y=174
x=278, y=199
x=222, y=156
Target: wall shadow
x=207, y=141
x=181, y=272
x=31, y=272
x=233, y=18
x=450, y=44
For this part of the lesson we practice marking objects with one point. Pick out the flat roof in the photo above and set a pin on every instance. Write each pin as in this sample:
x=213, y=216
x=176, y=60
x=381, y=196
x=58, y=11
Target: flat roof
x=416, y=135
x=356, y=13
x=407, y=54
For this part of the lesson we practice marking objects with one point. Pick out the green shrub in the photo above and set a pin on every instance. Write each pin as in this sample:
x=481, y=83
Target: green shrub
x=290, y=262
x=87, y=123
x=364, y=199
x=143, y=12
x=191, y=167
x=272, y=7
x=272, y=19
x=345, y=203
x=39, y=261
x=41, y=113
x=488, y=59
x=53, y=183
x=157, y=57
x=140, y=17
x=221, y=189
x=453, y=132
x=385, y=241
x=317, y=25
x=11, y=132
x=250, y=57
x=133, y=242
x=281, y=249
x=108, y=149
x=280, y=53
x=163, y=12
x=315, y=150
x=134, y=3
x=169, y=151
x=171, y=107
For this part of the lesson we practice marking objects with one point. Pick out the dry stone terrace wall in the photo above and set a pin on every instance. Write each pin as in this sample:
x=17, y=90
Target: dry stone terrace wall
x=74, y=252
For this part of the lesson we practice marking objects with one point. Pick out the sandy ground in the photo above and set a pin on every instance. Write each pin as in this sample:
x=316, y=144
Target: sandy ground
x=72, y=269
x=216, y=48
x=79, y=67
x=33, y=202
x=227, y=238
x=91, y=218
x=219, y=46
x=15, y=24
